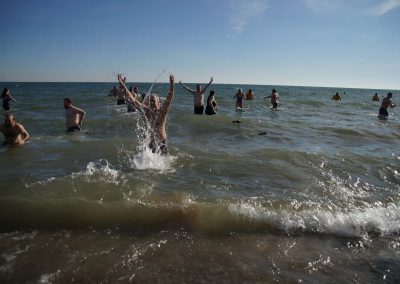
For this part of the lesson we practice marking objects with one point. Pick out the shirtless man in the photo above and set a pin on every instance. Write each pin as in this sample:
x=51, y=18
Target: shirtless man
x=198, y=96
x=375, y=98
x=73, y=116
x=14, y=133
x=274, y=99
x=386, y=102
x=155, y=115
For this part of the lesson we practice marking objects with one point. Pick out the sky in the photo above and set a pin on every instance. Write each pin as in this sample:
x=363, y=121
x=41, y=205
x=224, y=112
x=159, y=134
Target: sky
x=333, y=43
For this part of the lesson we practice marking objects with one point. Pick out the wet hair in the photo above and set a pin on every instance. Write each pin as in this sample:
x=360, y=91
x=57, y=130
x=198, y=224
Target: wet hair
x=210, y=96
x=390, y=94
x=9, y=115
x=68, y=100
x=5, y=91
x=273, y=90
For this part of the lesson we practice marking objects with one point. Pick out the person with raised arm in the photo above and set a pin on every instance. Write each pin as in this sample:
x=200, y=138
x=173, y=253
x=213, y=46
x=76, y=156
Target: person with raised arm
x=14, y=133
x=155, y=114
x=198, y=96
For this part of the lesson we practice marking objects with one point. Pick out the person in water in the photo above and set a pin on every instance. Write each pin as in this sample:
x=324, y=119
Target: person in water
x=250, y=95
x=121, y=97
x=14, y=133
x=336, y=97
x=274, y=99
x=211, y=107
x=375, y=98
x=386, y=102
x=6, y=96
x=155, y=115
x=198, y=96
x=113, y=92
x=73, y=116
x=239, y=98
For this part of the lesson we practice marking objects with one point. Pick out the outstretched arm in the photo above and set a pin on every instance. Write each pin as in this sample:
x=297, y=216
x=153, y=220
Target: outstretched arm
x=168, y=100
x=187, y=88
x=127, y=93
x=208, y=85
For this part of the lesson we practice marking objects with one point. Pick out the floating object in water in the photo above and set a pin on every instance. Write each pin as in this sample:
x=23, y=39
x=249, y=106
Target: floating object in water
x=236, y=121
x=262, y=133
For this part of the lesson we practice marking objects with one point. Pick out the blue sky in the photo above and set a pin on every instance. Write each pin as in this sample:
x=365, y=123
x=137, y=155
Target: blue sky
x=342, y=43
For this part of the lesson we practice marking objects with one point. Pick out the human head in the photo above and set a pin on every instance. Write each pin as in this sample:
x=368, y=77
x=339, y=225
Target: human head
x=390, y=95
x=5, y=92
x=135, y=89
x=198, y=88
x=154, y=102
x=67, y=103
x=210, y=96
x=250, y=91
x=273, y=91
x=9, y=120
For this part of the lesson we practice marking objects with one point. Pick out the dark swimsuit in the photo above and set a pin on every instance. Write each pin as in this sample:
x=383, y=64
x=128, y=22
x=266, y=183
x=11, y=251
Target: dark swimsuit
x=210, y=109
x=198, y=110
x=6, y=104
x=73, y=128
x=383, y=111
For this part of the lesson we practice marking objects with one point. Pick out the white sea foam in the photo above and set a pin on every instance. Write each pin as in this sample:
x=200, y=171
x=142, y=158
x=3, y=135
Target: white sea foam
x=101, y=170
x=358, y=222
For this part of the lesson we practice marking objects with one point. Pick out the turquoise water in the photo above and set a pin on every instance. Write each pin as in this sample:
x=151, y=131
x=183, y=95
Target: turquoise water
x=313, y=199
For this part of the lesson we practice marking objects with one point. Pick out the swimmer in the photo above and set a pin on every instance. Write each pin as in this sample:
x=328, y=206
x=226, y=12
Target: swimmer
x=155, y=115
x=250, y=95
x=239, y=98
x=336, y=97
x=6, y=96
x=198, y=96
x=211, y=107
x=274, y=99
x=386, y=102
x=73, y=116
x=113, y=92
x=14, y=133
x=375, y=98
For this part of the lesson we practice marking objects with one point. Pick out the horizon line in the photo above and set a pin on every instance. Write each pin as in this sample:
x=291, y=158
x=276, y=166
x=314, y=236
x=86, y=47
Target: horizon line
x=166, y=82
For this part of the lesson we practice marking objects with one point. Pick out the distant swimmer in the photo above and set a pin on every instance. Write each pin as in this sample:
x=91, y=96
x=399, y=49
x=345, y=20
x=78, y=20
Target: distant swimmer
x=73, y=116
x=336, y=97
x=6, y=96
x=113, y=92
x=198, y=96
x=239, y=98
x=211, y=107
x=274, y=99
x=375, y=98
x=250, y=95
x=386, y=102
x=155, y=115
x=14, y=133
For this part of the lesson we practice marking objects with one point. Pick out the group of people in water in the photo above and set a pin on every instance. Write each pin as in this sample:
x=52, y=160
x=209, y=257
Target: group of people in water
x=153, y=112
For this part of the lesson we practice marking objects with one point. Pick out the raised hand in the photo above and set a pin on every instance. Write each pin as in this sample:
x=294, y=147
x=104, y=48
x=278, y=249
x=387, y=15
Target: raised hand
x=171, y=79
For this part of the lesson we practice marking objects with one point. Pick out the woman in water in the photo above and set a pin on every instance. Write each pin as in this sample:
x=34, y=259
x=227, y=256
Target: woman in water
x=211, y=107
x=6, y=96
x=250, y=95
x=239, y=98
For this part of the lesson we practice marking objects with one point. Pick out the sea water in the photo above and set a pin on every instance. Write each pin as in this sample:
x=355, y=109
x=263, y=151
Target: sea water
x=309, y=193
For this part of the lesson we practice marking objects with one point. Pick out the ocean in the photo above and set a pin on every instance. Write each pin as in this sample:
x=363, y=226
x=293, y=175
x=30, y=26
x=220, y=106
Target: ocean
x=306, y=194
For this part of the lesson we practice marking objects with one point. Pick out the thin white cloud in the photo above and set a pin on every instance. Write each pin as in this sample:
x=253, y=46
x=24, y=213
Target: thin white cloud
x=385, y=7
x=242, y=11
